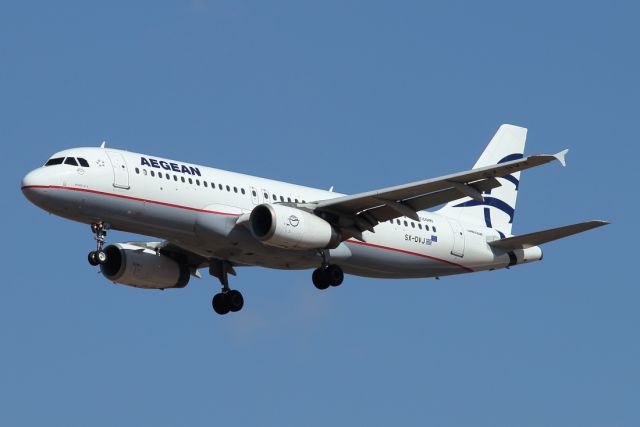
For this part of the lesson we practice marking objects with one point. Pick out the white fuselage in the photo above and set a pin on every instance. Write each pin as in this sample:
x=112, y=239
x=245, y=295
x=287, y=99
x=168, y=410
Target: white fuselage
x=197, y=208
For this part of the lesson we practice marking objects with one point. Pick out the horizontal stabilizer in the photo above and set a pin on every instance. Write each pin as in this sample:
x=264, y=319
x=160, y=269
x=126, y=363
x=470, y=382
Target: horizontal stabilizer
x=539, y=237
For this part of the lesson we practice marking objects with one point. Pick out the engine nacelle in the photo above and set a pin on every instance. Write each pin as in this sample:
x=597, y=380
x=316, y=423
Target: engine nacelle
x=143, y=268
x=291, y=228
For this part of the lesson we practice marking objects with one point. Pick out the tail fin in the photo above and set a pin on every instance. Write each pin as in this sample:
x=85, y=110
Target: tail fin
x=498, y=208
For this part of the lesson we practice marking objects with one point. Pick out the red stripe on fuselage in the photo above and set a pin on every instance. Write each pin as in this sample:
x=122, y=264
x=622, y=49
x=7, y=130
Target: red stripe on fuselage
x=122, y=196
x=189, y=208
x=357, y=242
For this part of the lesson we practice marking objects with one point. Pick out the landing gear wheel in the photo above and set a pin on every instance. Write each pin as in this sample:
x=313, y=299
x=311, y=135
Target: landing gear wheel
x=229, y=300
x=220, y=303
x=320, y=278
x=335, y=275
x=235, y=301
x=93, y=258
x=101, y=256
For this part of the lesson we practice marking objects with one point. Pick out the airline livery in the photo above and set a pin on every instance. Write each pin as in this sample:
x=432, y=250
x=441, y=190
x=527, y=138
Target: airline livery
x=210, y=218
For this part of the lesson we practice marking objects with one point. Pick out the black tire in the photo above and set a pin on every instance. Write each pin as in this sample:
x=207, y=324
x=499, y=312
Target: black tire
x=93, y=258
x=235, y=301
x=320, y=278
x=335, y=275
x=101, y=257
x=220, y=304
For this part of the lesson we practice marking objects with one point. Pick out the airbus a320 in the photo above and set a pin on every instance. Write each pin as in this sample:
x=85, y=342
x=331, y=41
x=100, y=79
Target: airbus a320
x=209, y=218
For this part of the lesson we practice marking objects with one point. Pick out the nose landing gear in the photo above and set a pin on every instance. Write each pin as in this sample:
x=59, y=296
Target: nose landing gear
x=98, y=256
x=228, y=300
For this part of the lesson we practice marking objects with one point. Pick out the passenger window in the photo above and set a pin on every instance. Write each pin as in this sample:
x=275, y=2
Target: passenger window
x=220, y=186
x=205, y=184
x=144, y=172
x=228, y=188
x=398, y=221
x=71, y=161
x=242, y=190
x=213, y=186
x=190, y=181
x=175, y=178
x=289, y=199
x=83, y=162
x=420, y=226
x=153, y=173
x=182, y=178
x=296, y=200
x=274, y=197
x=253, y=193
x=266, y=196
x=281, y=199
x=426, y=227
x=167, y=176
x=159, y=174
x=434, y=228
x=198, y=182
x=413, y=225
x=235, y=189
x=405, y=224
x=137, y=171
x=56, y=161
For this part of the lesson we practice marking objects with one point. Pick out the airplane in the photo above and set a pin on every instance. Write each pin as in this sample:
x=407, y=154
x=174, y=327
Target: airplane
x=221, y=220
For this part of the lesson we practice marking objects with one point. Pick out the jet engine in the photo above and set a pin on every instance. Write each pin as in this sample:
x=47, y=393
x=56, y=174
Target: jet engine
x=143, y=268
x=291, y=228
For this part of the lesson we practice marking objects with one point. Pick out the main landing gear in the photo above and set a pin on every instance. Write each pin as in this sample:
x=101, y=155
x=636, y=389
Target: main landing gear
x=98, y=256
x=228, y=300
x=327, y=275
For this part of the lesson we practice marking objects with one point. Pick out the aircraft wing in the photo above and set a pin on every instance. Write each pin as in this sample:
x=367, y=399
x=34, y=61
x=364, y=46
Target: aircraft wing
x=185, y=256
x=357, y=213
x=525, y=241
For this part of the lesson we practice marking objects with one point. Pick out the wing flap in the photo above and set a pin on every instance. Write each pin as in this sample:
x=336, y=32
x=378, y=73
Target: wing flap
x=539, y=237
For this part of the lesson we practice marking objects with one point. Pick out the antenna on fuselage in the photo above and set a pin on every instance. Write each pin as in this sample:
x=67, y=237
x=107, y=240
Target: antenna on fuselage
x=103, y=144
x=331, y=189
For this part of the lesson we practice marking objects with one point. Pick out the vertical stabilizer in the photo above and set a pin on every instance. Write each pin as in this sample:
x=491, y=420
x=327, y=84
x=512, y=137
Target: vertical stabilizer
x=498, y=208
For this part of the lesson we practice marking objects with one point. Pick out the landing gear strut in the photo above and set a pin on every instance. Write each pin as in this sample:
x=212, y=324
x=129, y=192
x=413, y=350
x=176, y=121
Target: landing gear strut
x=328, y=274
x=98, y=256
x=228, y=300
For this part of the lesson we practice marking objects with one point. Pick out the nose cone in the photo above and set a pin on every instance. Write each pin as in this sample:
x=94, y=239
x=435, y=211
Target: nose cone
x=30, y=180
x=34, y=186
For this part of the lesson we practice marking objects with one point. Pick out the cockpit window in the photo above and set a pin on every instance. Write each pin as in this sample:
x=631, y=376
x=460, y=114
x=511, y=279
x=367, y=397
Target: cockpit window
x=71, y=161
x=83, y=162
x=54, y=161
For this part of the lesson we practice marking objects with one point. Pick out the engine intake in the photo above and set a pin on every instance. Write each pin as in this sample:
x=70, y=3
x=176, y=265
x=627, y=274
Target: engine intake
x=143, y=268
x=291, y=228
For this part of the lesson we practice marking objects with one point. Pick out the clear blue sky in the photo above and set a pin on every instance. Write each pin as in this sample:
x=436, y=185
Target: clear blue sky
x=358, y=95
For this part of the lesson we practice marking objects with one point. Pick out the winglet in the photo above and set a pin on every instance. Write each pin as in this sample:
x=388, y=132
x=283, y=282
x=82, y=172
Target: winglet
x=561, y=157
